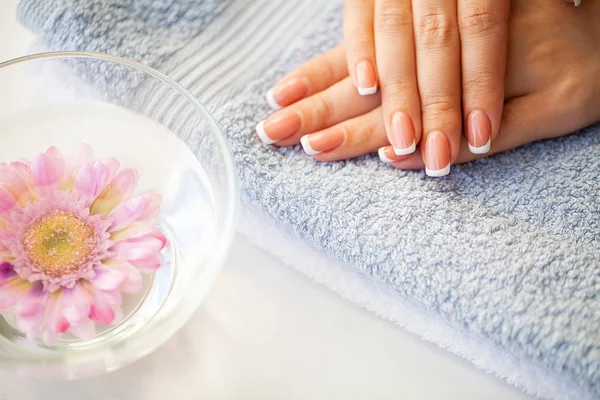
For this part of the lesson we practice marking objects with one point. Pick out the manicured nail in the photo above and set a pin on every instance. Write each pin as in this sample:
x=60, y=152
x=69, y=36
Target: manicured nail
x=279, y=126
x=576, y=2
x=366, y=78
x=385, y=153
x=287, y=92
x=321, y=142
x=403, y=134
x=479, y=132
x=437, y=154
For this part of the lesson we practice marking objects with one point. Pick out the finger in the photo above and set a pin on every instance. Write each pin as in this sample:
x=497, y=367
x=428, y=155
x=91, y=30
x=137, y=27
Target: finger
x=311, y=77
x=360, y=45
x=351, y=138
x=525, y=120
x=483, y=27
x=314, y=113
x=438, y=71
x=396, y=65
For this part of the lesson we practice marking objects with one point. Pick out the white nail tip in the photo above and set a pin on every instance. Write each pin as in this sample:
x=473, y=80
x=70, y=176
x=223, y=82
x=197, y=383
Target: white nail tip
x=406, y=151
x=260, y=131
x=481, y=150
x=577, y=3
x=438, y=172
x=383, y=157
x=271, y=100
x=306, y=146
x=367, y=91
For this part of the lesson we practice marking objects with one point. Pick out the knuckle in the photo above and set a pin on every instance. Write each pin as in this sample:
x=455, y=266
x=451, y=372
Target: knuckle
x=436, y=29
x=476, y=20
x=323, y=110
x=393, y=17
x=439, y=106
x=398, y=90
x=479, y=84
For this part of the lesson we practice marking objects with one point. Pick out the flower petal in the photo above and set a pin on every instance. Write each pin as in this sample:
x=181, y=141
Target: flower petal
x=7, y=202
x=30, y=311
x=133, y=280
x=7, y=271
x=76, y=307
x=59, y=163
x=141, y=247
x=85, y=330
x=15, y=184
x=90, y=181
x=134, y=209
x=55, y=322
x=134, y=230
x=112, y=166
x=149, y=264
x=101, y=312
x=153, y=207
x=11, y=291
x=107, y=278
x=115, y=192
x=45, y=176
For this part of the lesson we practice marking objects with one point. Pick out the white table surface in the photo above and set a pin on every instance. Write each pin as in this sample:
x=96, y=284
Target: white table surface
x=268, y=332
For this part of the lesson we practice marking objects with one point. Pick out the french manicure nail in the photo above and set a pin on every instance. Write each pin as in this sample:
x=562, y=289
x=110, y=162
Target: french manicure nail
x=403, y=134
x=366, y=78
x=287, y=91
x=279, y=126
x=437, y=154
x=320, y=142
x=385, y=153
x=479, y=132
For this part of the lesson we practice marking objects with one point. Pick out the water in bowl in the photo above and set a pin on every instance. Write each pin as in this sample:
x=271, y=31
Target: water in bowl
x=165, y=165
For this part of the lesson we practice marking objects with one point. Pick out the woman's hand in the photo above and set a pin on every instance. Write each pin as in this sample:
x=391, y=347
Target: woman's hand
x=439, y=63
x=551, y=85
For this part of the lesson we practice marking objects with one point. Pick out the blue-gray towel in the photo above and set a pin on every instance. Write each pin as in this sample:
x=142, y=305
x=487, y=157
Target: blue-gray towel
x=506, y=249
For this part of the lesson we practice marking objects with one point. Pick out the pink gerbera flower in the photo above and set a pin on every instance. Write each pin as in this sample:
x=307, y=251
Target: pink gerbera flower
x=71, y=240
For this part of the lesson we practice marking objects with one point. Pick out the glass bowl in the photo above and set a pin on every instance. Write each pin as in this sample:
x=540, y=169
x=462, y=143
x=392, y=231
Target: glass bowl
x=149, y=123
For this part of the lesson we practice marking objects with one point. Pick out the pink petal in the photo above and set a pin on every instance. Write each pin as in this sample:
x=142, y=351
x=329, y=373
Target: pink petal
x=112, y=166
x=85, y=330
x=58, y=161
x=76, y=307
x=11, y=291
x=45, y=176
x=141, y=247
x=15, y=185
x=7, y=202
x=153, y=208
x=55, y=320
x=90, y=181
x=24, y=175
x=149, y=264
x=130, y=211
x=30, y=311
x=7, y=271
x=132, y=278
x=134, y=230
x=83, y=155
x=107, y=278
x=101, y=313
x=115, y=192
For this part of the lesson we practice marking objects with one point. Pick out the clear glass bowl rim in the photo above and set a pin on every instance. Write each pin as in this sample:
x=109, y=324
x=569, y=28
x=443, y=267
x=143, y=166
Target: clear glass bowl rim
x=151, y=339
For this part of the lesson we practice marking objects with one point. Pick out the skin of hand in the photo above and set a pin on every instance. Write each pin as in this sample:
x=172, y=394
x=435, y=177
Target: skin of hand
x=439, y=63
x=551, y=88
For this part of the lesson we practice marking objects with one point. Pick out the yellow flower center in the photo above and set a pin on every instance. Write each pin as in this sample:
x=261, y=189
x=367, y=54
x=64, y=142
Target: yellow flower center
x=59, y=243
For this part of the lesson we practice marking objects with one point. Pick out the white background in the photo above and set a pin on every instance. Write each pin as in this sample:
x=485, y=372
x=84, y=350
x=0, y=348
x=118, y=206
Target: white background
x=268, y=332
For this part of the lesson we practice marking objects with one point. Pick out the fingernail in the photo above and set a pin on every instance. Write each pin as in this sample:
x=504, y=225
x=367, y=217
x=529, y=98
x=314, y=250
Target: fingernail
x=366, y=79
x=437, y=154
x=287, y=91
x=321, y=142
x=479, y=132
x=403, y=134
x=279, y=126
x=385, y=153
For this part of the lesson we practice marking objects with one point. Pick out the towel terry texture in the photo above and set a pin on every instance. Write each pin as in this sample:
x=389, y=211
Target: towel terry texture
x=506, y=249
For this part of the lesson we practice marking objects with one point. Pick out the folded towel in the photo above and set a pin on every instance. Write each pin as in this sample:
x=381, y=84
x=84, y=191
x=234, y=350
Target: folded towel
x=499, y=262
